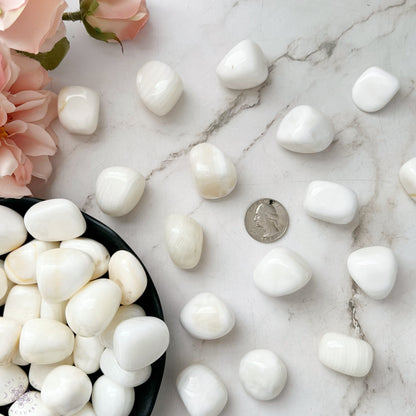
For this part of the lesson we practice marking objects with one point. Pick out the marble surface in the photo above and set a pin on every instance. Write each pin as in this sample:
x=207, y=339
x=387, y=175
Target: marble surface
x=316, y=50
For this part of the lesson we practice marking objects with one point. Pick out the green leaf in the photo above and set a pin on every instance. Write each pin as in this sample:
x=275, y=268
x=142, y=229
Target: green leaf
x=50, y=60
x=88, y=7
x=96, y=33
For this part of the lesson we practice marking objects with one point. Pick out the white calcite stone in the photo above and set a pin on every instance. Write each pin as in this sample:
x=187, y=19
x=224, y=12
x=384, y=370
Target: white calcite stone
x=110, y=368
x=31, y=404
x=39, y=372
x=262, y=374
x=123, y=313
x=243, y=67
x=407, y=175
x=202, y=391
x=331, y=202
x=305, y=130
x=55, y=220
x=97, y=251
x=345, y=354
x=184, y=240
x=92, y=308
x=66, y=390
x=78, y=109
x=111, y=399
x=87, y=410
x=159, y=87
x=206, y=316
x=127, y=272
x=18, y=359
x=87, y=353
x=146, y=334
x=12, y=230
x=214, y=173
x=5, y=284
x=374, y=89
x=55, y=311
x=374, y=269
x=61, y=272
x=9, y=339
x=23, y=303
x=20, y=264
x=118, y=190
x=281, y=272
x=13, y=383
x=45, y=341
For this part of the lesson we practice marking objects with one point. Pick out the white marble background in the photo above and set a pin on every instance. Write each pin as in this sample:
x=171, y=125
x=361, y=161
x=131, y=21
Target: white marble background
x=316, y=50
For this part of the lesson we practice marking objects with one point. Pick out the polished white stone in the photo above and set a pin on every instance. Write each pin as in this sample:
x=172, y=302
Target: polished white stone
x=87, y=353
x=407, y=175
x=159, y=87
x=243, y=67
x=12, y=230
x=305, y=129
x=374, y=89
x=30, y=403
x=13, y=383
x=23, y=303
x=374, y=269
x=9, y=339
x=330, y=202
x=78, y=109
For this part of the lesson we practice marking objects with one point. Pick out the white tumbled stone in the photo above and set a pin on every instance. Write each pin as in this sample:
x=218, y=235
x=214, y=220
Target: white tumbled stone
x=9, y=339
x=87, y=353
x=55, y=220
x=23, y=303
x=45, y=341
x=146, y=334
x=207, y=317
x=184, y=240
x=5, y=284
x=214, y=173
x=55, y=311
x=345, y=354
x=407, y=175
x=305, y=130
x=331, y=202
x=39, y=372
x=262, y=374
x=243, y=67
x=159, y=87
x=110, y=368
x=66, y=390
x=111, y=399
x=97, y=251
x=12, y=230
x=20, y=264
x=374, y=89
x=87, y=410
x=201, y=390
x=374, y=269
x=13, y=383
x=123, y=313
x=281, y=272
x=31, y=404
x=93, y=307
x=18, y=359
x=127, y=272
x=118, y=190
x=78, y=109
x=61, y=272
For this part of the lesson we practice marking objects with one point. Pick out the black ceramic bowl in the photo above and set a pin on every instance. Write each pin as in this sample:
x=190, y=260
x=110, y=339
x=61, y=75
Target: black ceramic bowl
x=146, y=393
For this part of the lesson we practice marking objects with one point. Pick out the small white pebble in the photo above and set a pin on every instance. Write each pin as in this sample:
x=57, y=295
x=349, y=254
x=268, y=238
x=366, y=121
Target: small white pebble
x=202, y=391
x=263, y=374
x=243, y=67
x=87, y=353
x=12, y=230
x=159, y=87
x=13, y=383
x=78, y=109
x=331, y=202
x=23, y=303
x=118, y=190
x=374, y=269
x=9, y=339
x=31, y=404
x=345, y=354
x=374, y=89
x=407, y=175
x=205, y=316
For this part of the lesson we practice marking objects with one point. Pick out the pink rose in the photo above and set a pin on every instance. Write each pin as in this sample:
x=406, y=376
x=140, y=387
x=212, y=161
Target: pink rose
x=123, y=17
x=25, y=25
x=26, y=111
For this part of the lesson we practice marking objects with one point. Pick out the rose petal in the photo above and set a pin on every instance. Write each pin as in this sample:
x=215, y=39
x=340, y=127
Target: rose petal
x=23, y=173
x=11, y=10
x=8, y=163
x=42, y=167
x=35, y=141
x=10, y=189
x=118, y=9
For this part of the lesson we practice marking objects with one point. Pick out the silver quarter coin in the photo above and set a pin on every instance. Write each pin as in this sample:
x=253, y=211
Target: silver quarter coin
x=266, y=220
